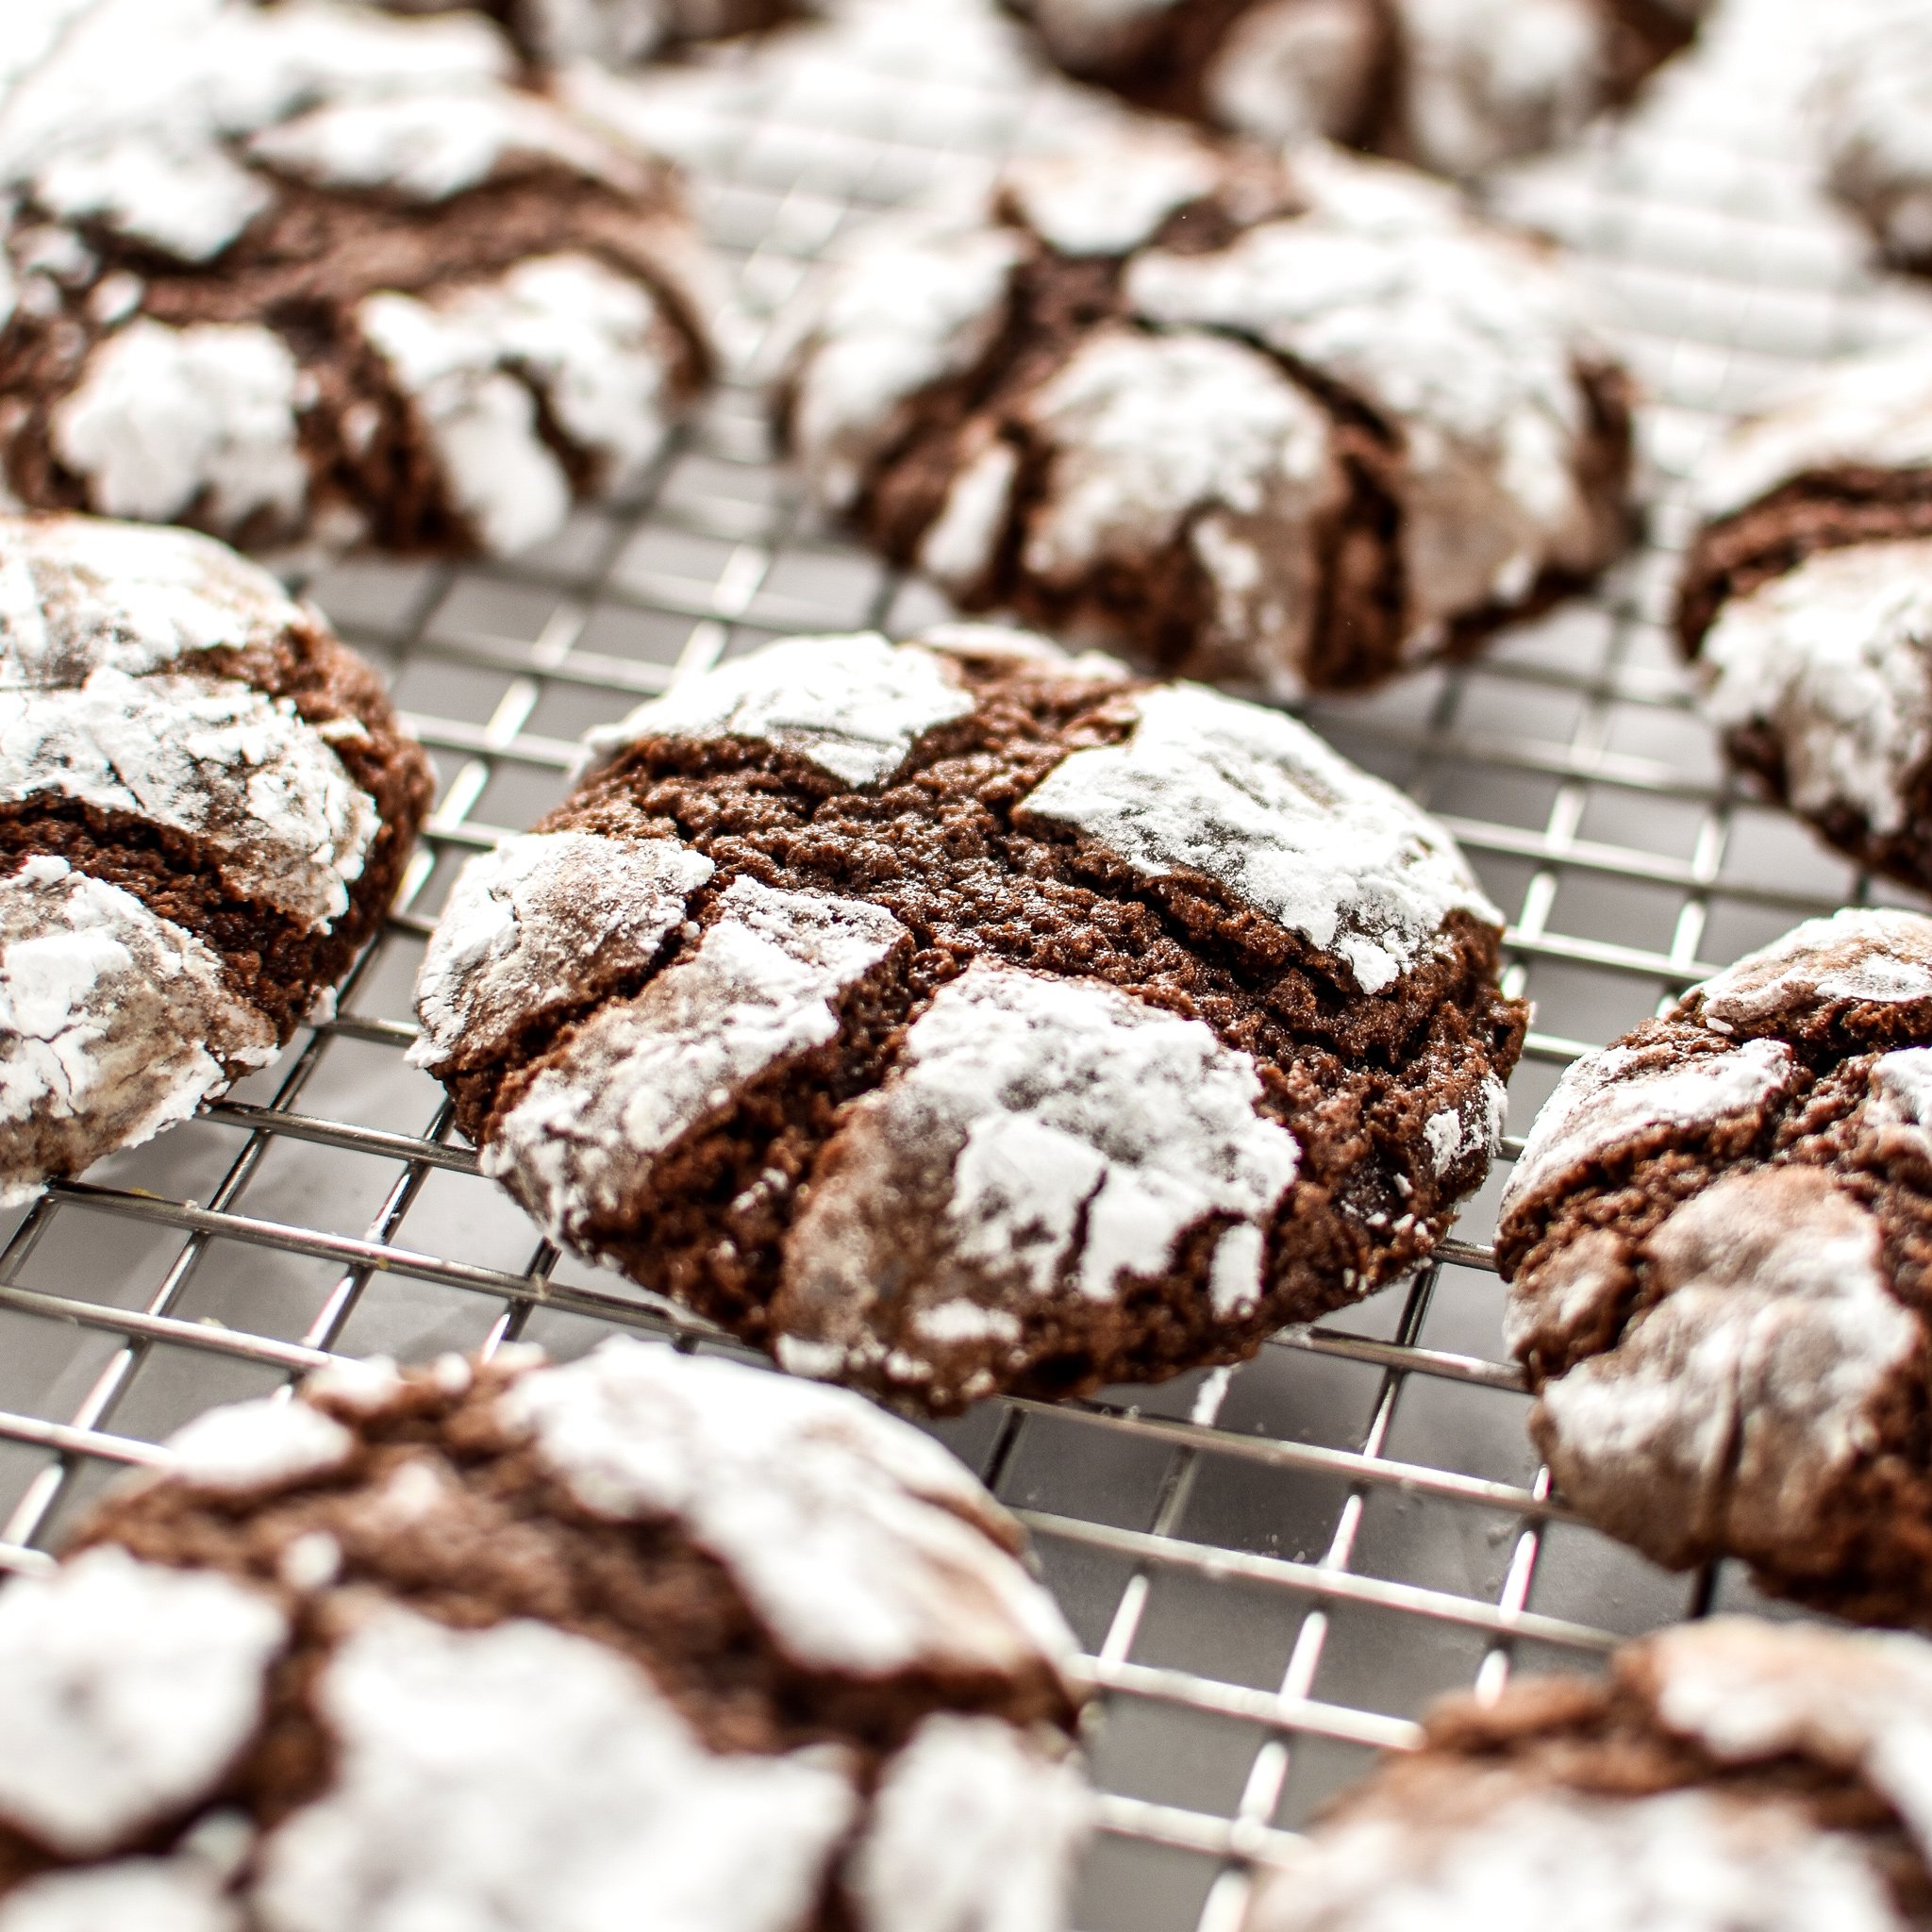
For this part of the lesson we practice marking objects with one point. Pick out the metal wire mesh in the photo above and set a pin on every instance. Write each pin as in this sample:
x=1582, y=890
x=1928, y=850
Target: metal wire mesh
x=1272, y=1570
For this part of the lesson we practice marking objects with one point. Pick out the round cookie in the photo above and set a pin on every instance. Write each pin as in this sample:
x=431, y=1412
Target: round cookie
x=955, y=1017
x=1732, y=1776
x=308, y=275
x=1806, y=605
x=641, y=1640
x=205, y=802
x=614, y=32
x=1457, y=86
x=1869, y=100
x=1286, y=423
x=1716, y=1242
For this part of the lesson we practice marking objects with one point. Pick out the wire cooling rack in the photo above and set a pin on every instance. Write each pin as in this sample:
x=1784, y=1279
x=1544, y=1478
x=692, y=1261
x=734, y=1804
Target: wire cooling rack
x=1272, y=1571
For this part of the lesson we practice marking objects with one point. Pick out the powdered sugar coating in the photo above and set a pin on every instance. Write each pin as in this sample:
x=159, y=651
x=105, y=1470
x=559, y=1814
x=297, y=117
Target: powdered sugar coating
x=1834, y=660
x=864, y=1545
x=522, y=923
x=1257, y=803
x=643, y=1071
x=519, y=1779
x=1289, y=69
x=1680, y=1861
x=853, y=706
x=975, y=1825
x=126, y=1692
x=1111, y=196
x=136, y=1895
x=1862, y=955
x=1060, y=1137
x=1870, y=96
x=210, y=757
x=1872, y=410
x=258, y=1446
x=114, y=1024
x=1609, y=1099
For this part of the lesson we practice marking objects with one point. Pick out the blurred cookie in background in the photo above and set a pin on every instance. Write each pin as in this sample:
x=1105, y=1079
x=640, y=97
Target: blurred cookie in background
x=614, y=32
x=310, y=276
x=1456, y=85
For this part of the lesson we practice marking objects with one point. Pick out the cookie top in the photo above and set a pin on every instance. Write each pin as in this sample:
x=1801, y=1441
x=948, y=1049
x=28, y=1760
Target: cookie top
x=1457, y=86
x=1869, y=99
x=960, y=1015
x=1715, y=1242
x=1289, y=424
x=1729, y=1774
x=205, y=802
x=611, y=32
x=311, y=274
x=1806, y=602
x=641, y=1640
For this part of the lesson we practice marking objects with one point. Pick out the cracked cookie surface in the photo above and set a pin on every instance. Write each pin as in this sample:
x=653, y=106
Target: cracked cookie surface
x=1280, y=424
x=206, y=804
x=962, y=1016
x=1716, y=1242
x=309, y=275
x=528, y=1648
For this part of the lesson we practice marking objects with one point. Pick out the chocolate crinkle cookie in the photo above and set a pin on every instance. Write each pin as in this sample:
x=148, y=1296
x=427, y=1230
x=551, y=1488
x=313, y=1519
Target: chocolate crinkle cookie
x=962, y=1016
x=639, y=1642
x=1286, y=423
x=1732, y=1776
x=1869, y=99
x=1457, y=86
x=311, y=276
x=1716, y=1242
x=614, y=32
x=206, y=803
x=1806, y=605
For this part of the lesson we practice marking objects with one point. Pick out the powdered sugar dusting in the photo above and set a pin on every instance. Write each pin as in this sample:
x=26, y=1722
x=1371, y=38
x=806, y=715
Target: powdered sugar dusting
x=1111, y=193
x=975, y=1825
x=135, y=1895
x=524, y=922
x=1870, y=98
x=114, y=1024
x=523, y=1780
x=1742, y=1391
x=853, y=706
x=1260, y=805
x=261, y=1445
x=1060, y=1137
x=1289, y=69
x=1834, y=660
x=1902, y=1090
x=127, y=1691
x=1605, y=1100
x=1863, y=954
x=643, y=1071
x=210, y=757
x=863, y=1544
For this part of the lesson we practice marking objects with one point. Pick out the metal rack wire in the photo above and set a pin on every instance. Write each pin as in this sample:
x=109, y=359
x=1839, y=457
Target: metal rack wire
x=1272, y=1570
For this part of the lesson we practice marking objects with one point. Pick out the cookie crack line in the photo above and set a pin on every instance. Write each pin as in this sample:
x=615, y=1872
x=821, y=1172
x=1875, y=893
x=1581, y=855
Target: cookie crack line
x=862, y=1000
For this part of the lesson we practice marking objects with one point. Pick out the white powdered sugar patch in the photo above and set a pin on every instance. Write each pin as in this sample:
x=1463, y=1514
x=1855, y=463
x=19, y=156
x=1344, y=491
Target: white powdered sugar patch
x=1834, y=659
x=518, y=1779
x=164, y=422
x=127, y=1692
x=1082, y=32
x=1451, y=1135
x=1870, y=98
x=1111, y=193
x=1750, y=1691
x=1902, y=1093
x=1868, y=412
x=210, y=757
x=973, y=1825
x=134, y=1895
x=643, y=1071
x=1682, y=1861
x=114, y=1024
x=524, y=922
x=864, y=1544
x=1873, y=955
x=961, y=542
x=906, y=310
x=1260, y=805
x=1609, y=1099
x=1743, y=1389
x=1466, y=339
x=1076, y=1134
x=614, y=33
x=1286, y=70
x=257, y=1445
x=1155, y=438
x=851, y=706
x=79, y=595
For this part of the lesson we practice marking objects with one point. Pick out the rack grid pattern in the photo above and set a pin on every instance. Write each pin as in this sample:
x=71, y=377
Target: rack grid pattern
x=1272, y=1569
